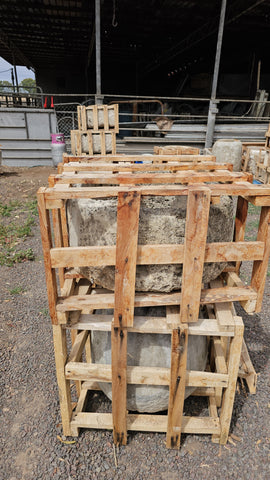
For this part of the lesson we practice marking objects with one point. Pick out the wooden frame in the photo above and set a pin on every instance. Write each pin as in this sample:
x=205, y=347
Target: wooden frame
x=98, y=118
x=71, y=309
x=92, y=143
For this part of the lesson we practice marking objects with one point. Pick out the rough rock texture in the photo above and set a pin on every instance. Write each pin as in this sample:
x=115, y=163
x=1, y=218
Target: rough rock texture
x=96, y=138
x=229, y=151
x=162, y=221
x=90, y=118
x=152, y=350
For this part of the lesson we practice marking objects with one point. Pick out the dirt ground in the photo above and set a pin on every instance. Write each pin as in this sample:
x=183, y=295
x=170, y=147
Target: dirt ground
x=32, y=445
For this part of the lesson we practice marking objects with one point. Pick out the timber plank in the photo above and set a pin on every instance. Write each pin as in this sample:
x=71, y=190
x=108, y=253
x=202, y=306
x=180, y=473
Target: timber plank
x=128, y=210
x=147, y=423
x=194, y=251
x=177, y=385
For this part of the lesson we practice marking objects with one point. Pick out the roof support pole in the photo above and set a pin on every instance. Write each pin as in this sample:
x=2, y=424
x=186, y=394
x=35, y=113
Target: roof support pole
x=213, y=103
x=98, y=52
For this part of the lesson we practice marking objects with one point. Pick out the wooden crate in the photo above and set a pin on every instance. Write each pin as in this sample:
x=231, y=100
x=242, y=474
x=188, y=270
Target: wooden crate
x=176, y=150
x=69, y=305
x=98, y=117
x=89, y=143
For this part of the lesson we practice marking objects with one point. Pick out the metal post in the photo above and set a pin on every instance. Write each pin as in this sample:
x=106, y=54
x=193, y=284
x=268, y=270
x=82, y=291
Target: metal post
x=213, y=104
x=16, y=76
x=98, y=53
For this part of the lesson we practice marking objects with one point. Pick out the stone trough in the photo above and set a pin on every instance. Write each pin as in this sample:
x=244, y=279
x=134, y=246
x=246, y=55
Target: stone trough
x=162, y=221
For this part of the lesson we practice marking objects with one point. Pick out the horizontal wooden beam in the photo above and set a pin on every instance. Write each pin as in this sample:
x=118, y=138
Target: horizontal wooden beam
x=204, y=326
x=142, y=375
x=147, y=423
x=214, y=295
x=184, y=177
x=56, y=193
x=138, y=158
x=148, y=167
x=155, y=254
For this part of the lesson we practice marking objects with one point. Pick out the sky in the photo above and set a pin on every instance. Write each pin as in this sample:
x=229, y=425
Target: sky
x=22, y=72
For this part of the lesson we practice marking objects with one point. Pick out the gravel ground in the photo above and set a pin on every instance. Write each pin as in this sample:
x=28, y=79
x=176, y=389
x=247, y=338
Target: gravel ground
x=29, y=402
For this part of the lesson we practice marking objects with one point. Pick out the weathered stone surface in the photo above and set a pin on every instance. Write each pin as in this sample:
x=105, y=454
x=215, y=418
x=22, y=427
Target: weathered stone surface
x=162, y=221
x=152, y=350
x=228, y=151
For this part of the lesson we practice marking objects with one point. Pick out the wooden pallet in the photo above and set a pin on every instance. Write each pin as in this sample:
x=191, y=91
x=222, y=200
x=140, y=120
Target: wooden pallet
x=190, y=159
x=98, y=118
x=176, y=150
x=73, y=307
x=89, y=143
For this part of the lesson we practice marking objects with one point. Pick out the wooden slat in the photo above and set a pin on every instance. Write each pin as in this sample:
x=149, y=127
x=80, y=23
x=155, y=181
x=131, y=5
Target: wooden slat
x=147, y=167
x=233, y=367
x=240, y=224
x=260, y=267
x=250, y=373
x=60, y=352
x=128, y=210
x=155, y=254
x=142, y=375
x=135, y=158
x=78, y=346
x=184, y=177
x=217, y=189
x=177, y=385
x=147, y=423
x=118, y=373
x=195, y=240
x=204, y=326
x=214, y=295
x=45, y=230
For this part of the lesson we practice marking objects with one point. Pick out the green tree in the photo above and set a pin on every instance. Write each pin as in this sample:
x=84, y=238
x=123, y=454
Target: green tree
x=29, y=85
x=5, y=86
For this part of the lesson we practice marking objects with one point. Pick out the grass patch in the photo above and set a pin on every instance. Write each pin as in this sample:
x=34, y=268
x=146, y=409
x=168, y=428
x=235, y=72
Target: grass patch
x=7, y=208
x=16, y=290
x=13, y=231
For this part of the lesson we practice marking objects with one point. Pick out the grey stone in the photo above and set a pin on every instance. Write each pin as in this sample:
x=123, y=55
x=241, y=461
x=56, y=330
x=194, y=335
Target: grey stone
x=162, y=221
x=152, y=350
x=228, y=151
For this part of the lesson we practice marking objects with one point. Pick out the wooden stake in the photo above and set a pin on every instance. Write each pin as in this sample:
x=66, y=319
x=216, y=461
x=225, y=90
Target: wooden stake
x=240, y=224
x=177, y=385
x=229, y=392
x=195, y=241
x=119, y=384
x=60, y=351
x=260, y=267
x=126, y=254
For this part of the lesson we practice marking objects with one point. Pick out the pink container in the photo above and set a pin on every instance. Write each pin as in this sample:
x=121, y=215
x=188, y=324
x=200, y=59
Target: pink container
x=57, y=138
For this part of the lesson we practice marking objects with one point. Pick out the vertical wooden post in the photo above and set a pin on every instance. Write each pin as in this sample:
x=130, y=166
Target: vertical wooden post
x=119, y=384
x=177, y=385
x=126, y=255
x=45, y=230
x=198, y=205
x=125, y=272
x=260, y=267
x=240, y=224
x=233, y=368
x=60, y=351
